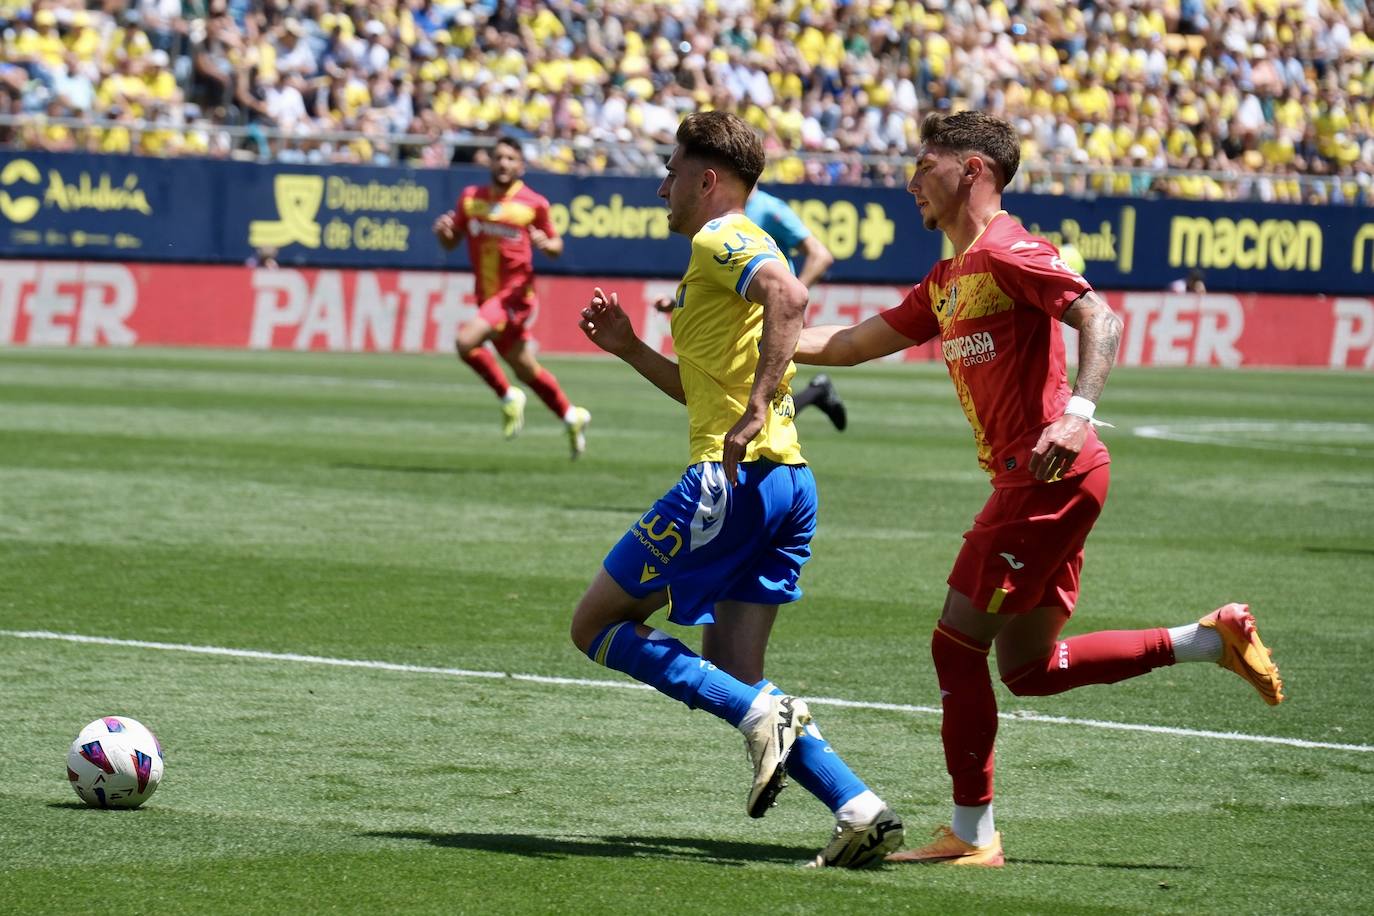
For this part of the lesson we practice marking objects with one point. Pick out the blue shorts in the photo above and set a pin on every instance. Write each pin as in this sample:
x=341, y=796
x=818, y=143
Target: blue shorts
x=706, y=541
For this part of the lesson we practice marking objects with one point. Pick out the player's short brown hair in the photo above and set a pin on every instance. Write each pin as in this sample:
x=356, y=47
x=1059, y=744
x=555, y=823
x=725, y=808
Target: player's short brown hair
x=508, y=140
x=978, y=132
x=725, y=140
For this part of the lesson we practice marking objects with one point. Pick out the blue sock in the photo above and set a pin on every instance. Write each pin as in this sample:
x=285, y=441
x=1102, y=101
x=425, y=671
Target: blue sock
x=817, y=768
x=670, y=667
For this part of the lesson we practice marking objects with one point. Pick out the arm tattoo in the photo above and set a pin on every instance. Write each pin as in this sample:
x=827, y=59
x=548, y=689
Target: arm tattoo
x=1099, y=336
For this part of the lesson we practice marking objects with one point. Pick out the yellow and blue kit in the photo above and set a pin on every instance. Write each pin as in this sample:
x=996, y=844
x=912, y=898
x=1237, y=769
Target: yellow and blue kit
x=704, y=540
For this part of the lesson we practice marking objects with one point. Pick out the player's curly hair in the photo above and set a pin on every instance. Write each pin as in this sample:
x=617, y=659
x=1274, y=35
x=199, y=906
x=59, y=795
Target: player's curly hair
x=978, y=132
x=723, y=139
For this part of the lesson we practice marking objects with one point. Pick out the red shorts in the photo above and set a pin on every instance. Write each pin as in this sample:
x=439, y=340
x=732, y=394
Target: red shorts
x=1025, y=548
x=510, y=315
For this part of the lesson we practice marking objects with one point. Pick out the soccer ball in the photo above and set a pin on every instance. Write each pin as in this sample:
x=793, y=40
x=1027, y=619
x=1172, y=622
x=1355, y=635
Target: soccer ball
x=116, y=762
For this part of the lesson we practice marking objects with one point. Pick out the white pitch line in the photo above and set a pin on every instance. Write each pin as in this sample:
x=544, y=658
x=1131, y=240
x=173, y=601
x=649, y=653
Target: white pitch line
x=629, y=685
x=1237, y=433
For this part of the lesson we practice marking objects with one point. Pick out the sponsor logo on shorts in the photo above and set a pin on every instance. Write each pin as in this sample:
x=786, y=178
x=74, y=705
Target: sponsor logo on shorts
x=647, y=533
x=1011, y=560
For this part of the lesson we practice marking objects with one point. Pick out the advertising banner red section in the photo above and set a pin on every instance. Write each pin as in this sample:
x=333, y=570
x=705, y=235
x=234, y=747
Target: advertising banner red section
x=58, y=303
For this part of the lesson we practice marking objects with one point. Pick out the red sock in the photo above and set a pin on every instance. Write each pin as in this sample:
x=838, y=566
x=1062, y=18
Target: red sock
x=1095, y=658
x=970, y=721
x=546, y=386
x=484, y=364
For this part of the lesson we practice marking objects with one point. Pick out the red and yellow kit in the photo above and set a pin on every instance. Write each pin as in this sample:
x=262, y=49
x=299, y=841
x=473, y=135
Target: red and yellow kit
x=994, y=309
x=497, y=230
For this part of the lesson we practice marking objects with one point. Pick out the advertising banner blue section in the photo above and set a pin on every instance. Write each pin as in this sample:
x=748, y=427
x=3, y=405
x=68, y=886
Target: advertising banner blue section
x=66, y=205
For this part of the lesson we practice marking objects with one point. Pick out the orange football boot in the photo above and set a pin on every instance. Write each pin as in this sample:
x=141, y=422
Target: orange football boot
x=948, y=849
x=1242, y=651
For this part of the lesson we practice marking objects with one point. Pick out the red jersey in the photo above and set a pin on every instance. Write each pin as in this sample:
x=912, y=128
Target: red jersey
x=497, y=230
x=995, y=309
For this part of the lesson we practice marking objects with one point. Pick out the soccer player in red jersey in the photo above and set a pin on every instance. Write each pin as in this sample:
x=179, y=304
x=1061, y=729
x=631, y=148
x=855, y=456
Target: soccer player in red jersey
x=1015, y=581
x=504, y=222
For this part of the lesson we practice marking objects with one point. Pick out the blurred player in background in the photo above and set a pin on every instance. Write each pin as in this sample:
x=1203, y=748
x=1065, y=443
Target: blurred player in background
x=504, y=223
x=725, y=546
x=1015, y=581
x=1194, y=282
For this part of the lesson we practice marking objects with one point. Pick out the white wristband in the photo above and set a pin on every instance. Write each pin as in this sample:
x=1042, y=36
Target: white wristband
x=1080, y=407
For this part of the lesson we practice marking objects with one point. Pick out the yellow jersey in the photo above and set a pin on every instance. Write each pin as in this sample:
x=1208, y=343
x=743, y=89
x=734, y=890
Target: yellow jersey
x=716, y=334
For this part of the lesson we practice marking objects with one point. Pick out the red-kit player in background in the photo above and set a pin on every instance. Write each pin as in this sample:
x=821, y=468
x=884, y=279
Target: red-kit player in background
x=1015, y=580
x=504, y=223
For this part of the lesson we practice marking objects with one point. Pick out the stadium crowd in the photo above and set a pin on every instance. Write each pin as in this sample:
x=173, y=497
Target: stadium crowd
x=1203, y=99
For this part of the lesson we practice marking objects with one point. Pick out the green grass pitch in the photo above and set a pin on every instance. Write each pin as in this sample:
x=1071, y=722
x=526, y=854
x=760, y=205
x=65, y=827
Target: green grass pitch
x=366, y=508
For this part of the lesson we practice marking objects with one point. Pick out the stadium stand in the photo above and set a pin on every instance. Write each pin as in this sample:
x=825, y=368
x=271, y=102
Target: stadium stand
x=1267, y=100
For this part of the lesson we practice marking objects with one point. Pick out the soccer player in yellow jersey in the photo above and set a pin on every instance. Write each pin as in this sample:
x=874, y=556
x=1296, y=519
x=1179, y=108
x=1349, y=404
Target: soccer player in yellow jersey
x=724, y=547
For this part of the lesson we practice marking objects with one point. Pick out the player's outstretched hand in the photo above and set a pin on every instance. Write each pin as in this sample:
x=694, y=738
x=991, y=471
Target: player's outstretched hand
x=539, y=239
x=606, y=324
x=1059, y=445
x=737, y=442
x=664, y=304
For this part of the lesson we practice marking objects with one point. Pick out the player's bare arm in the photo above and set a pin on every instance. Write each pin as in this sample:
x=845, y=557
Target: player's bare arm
x=841, y=345
x=783, y=299
x=1099, y=336
x=605, y=324
x=818, y=261
x=447, y=231
x=551, y=246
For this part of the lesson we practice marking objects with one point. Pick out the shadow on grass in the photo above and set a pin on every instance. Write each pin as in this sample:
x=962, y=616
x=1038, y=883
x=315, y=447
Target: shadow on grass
x=714, y=852
x=1118, y=866
x=397, y=468
x=1346, y=551
x=82, y=806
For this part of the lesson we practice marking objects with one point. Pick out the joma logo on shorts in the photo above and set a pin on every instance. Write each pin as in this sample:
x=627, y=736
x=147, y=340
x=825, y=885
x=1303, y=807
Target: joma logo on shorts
x=970, y=348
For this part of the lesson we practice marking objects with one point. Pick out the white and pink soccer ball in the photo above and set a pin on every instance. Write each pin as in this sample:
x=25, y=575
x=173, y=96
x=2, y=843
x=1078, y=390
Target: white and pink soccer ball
x=116, y=762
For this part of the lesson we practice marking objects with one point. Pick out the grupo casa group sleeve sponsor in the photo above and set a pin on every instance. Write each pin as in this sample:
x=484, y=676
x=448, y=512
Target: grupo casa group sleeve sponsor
x=81, y=206
x=93, y=303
